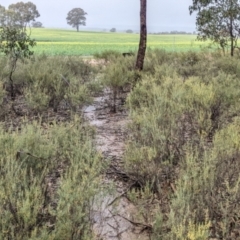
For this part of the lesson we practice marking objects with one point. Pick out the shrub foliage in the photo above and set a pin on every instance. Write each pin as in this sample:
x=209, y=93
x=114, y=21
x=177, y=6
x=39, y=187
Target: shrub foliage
x=183, y=144
x=31, y=206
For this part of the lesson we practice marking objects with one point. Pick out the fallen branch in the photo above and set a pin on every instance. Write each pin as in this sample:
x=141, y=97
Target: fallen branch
x=144, y=225
x=122, y=194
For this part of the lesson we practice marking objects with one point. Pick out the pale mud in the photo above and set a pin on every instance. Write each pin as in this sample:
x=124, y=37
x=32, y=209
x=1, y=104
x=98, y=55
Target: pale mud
x=113, y=215
x=95, y=62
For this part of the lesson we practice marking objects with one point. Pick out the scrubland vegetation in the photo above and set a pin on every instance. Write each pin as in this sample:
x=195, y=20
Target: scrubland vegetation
x=182, y=151
x=182, y=154
x=50, y=169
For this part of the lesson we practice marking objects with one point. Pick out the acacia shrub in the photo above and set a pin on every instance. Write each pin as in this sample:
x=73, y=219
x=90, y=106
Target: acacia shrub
x=207, y=189
x=186, y=64
x=3, y=68
x=3, y=93
x=156, y=140
x=118, y=76
x=107, y=55
x=51, y=82
x=176, y=136
x=169, y=113
x=229, y=65
x=155, y=58
x=29, y=158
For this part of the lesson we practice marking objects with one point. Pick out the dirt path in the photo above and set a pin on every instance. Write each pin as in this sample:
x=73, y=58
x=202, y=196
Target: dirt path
x=113, y=214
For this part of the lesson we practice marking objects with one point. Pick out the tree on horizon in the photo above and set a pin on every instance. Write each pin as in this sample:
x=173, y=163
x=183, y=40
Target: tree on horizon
x=76, y=17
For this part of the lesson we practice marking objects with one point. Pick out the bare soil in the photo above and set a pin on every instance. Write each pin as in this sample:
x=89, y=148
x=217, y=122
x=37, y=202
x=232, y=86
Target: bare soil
x=114, y=216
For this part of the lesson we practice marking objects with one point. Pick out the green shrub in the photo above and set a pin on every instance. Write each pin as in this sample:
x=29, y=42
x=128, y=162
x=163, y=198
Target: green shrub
x=183, y=146
x=3, y=68
x=117, y=76
x=108, y=55
x=156, y=139
x=16, y=44
x=52, y=81
x=2, y=93
x=156, y=57
x=31, y=208
x=208, y=188
x=229, y=65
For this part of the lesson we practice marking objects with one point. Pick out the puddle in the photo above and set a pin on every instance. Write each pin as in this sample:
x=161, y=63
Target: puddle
x=90, y=109
x=112, y=213
x=96, y=123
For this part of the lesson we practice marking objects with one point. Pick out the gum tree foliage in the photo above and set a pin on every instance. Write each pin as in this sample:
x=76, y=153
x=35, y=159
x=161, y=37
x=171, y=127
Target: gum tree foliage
x=2, y=16
x=218, y=20
x=23, y=13
x=143, y=35
x=15, y=43
x=37, y=24
x=19, y=14
x=76, y=17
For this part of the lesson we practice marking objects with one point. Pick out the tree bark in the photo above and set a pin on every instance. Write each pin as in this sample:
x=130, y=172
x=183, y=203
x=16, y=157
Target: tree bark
x=143, y=36
x=231, y=32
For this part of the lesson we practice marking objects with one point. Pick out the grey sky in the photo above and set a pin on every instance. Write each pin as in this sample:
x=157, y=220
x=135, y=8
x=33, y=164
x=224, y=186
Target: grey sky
x=163, y=15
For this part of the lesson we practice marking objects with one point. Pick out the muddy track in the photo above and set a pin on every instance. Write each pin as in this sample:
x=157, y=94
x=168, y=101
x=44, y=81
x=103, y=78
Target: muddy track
x=114, y=216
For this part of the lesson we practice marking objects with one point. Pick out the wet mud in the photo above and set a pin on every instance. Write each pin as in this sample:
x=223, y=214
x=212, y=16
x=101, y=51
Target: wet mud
x=114, y=216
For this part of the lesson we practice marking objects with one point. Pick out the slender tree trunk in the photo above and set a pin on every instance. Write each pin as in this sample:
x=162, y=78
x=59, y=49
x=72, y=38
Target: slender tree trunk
x=13, y=68
x=143, y=36
x=231, y=30
x=232, y=37
x=232, y=47
x=78, y=28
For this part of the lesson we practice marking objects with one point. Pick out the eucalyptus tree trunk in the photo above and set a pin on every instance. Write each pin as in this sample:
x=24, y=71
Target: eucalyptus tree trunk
x=232, y=37
x=143, y=36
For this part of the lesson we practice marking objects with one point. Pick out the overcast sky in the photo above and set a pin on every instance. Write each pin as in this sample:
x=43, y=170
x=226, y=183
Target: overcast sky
x=162, y=15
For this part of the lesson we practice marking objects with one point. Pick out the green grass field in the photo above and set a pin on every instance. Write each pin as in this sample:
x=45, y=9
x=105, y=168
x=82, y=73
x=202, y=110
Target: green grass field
x=69, y=42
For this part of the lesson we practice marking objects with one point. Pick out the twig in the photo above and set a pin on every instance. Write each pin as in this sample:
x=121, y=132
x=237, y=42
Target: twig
x=111, y=226
x=173, y=187
x=118, y=172
x=146, y=226
x=64, y=79
x=122, y=194
x=116, y=198
x=29, y=154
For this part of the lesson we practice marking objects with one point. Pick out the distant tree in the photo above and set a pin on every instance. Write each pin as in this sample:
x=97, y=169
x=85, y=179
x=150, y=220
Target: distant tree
x=129, y=31
x=143, y=36
x=76, y=17
x=113, y=30
x=21, y=14
x=218, y=20
x=37, y=24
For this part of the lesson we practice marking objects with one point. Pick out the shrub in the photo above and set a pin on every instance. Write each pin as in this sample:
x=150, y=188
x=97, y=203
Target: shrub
x=61, y=80
x=31, y=208
x=117, y=76
x=108, y=55
x=169, y=113
x=156, y=139
x=155, y=58
x=183, y=146
x=16, y=44
x=2, y=93
x=207, y=188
